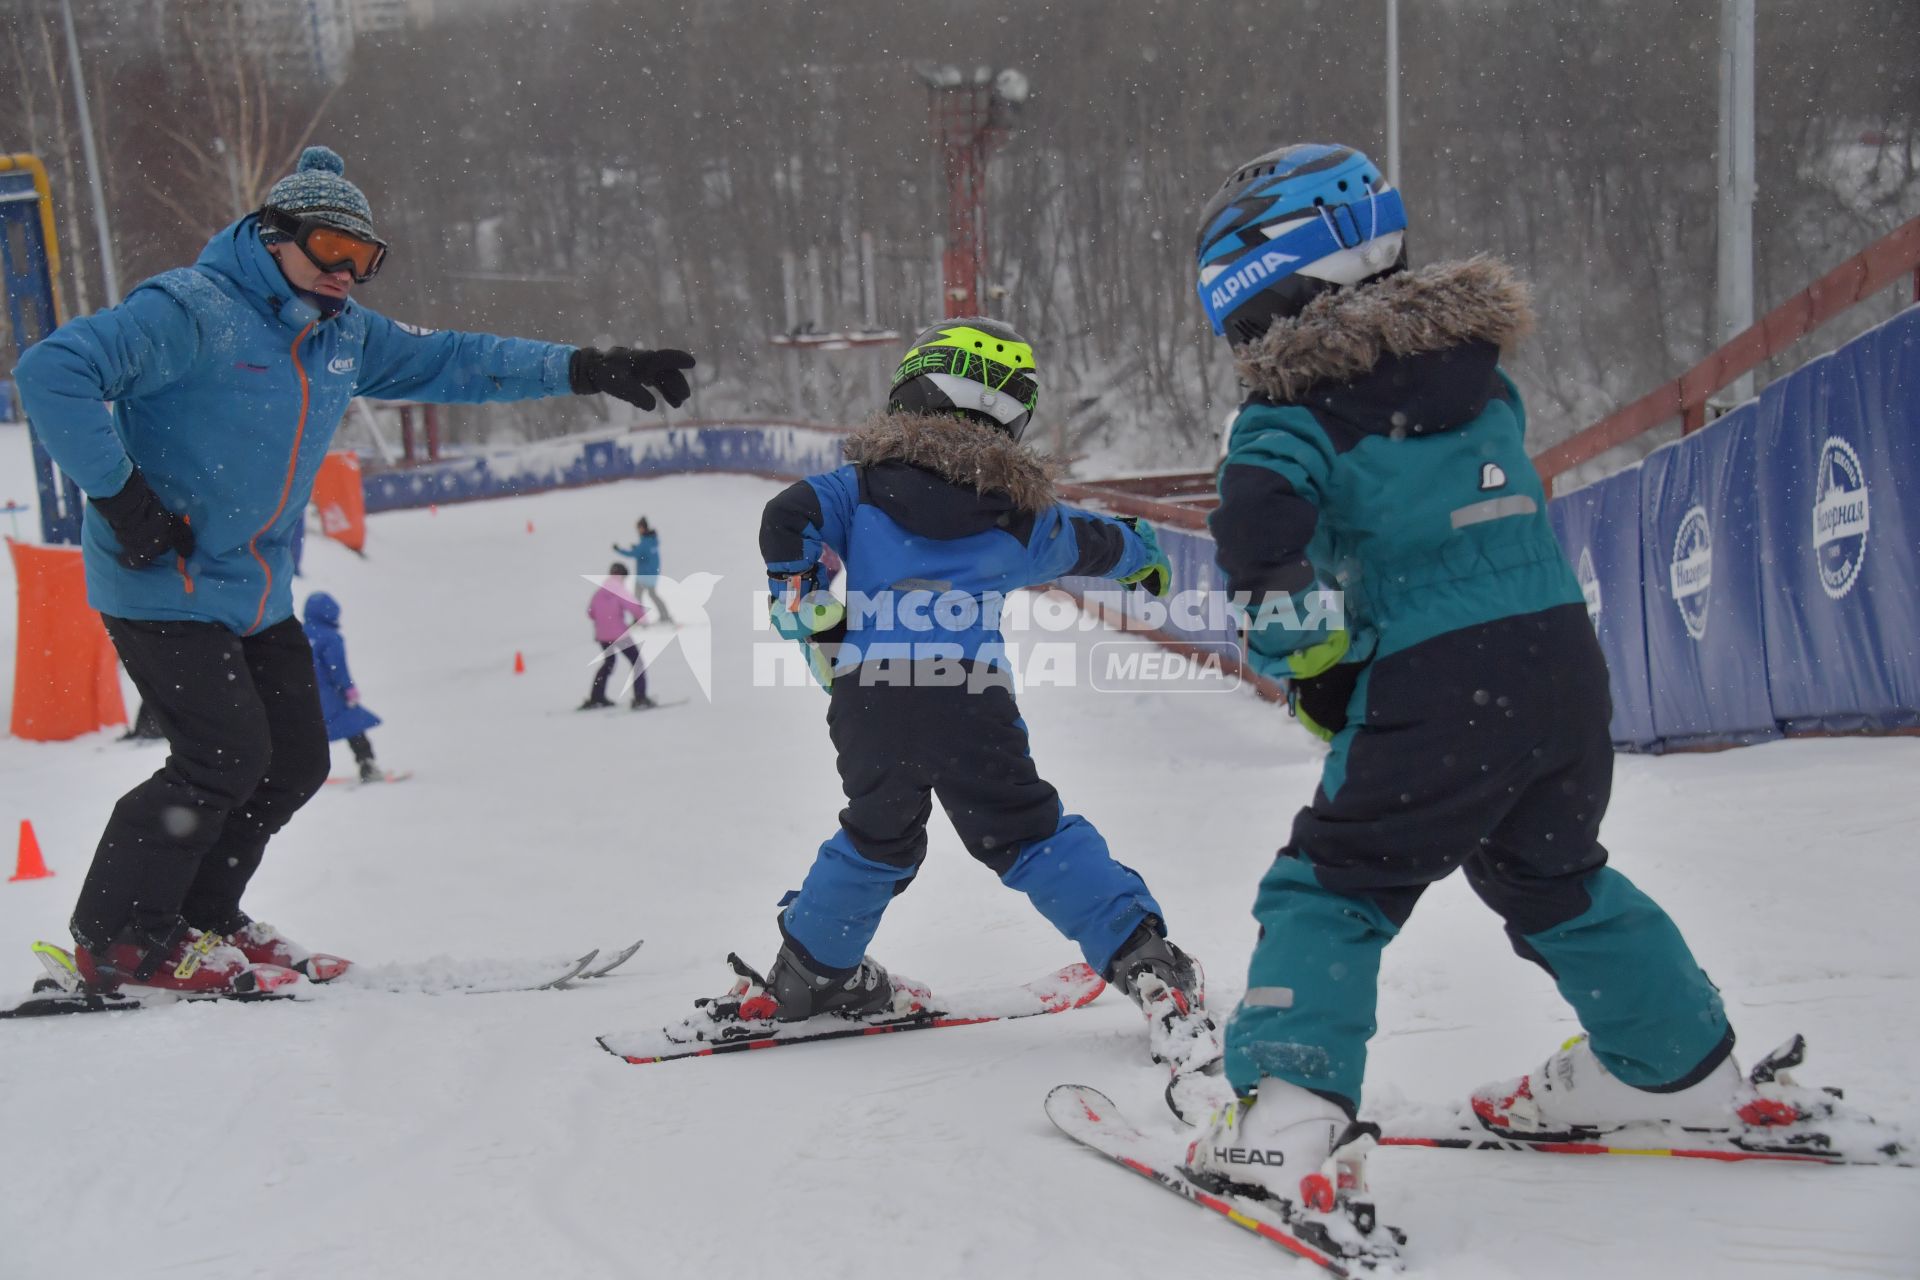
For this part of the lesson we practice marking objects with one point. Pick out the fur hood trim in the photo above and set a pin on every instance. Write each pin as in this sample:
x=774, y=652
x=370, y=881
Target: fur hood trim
x=1341, y=336
x=961, y=452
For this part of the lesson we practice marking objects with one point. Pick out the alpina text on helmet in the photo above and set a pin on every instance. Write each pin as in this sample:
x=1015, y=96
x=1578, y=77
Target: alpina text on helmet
x=1247, y=277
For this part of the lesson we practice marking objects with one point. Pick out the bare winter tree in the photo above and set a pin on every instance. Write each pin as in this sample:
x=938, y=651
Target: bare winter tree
x=609, y=171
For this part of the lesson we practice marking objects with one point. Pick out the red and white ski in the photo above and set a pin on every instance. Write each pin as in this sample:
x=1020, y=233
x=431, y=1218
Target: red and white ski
x=1779, y=1121
x=1096, y=1122
x=1685, y=1146
x=704, y=1035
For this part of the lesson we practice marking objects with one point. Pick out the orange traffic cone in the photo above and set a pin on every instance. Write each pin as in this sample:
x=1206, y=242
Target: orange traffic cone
x=529, y=526
x=519, y=663
x=433, y=508
x=31, y=865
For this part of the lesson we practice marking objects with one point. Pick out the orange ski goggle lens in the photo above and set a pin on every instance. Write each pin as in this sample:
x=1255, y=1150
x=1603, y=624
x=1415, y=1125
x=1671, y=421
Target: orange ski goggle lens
x=333, y=249
x=328, y=247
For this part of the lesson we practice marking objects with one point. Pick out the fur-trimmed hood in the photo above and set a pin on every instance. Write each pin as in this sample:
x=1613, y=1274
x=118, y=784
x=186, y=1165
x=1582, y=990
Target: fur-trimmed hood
x=1342, y=336
x=962, y=453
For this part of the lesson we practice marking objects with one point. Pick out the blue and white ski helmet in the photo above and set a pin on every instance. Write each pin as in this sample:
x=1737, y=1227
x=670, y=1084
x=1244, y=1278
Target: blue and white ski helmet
x=1290, y=225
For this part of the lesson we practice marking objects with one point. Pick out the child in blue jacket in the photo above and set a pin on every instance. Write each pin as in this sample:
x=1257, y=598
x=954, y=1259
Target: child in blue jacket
x=339, y=697
x=645, y=554
x=938, y=514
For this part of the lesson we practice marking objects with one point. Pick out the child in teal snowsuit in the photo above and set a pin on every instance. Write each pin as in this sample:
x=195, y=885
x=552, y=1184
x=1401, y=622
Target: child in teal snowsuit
x=1380, y=454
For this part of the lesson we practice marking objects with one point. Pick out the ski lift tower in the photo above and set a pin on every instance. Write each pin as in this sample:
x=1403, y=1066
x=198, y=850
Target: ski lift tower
x=971, y=113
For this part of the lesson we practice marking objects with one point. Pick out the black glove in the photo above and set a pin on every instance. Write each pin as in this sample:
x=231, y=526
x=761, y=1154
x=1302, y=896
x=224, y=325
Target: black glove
x=146, y=529
x=626, y=374
x=1319, y=702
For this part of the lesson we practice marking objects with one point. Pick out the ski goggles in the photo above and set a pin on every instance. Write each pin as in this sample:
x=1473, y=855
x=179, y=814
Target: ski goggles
x=327, y=246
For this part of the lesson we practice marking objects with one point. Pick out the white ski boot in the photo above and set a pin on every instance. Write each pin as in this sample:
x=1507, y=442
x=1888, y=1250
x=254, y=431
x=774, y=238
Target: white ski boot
x=1574, y=1096
x=1293, y=1152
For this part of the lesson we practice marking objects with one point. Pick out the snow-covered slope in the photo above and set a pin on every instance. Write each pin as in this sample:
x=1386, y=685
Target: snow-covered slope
x=488, y=1136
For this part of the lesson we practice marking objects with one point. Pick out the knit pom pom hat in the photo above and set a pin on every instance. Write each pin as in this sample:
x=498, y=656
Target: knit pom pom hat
x=318, y=190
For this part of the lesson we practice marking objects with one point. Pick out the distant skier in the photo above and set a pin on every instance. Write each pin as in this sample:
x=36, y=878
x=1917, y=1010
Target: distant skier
x=145, y=726
x=645, y=553
x=339, y=697
x=228, y=380
x=612, y=605
x=1380, y=450
x=940, y=511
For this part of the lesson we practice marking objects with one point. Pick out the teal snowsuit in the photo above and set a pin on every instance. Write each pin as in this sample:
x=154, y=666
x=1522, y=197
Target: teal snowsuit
x=1383, y=457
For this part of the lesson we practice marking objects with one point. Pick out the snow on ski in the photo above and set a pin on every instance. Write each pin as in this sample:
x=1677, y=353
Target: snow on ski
x=1096, y=1122
x=391, y=775
x=60, y=991
x=48, y=1001
x=441, y=976
x=619, y=958
x=701, y=1036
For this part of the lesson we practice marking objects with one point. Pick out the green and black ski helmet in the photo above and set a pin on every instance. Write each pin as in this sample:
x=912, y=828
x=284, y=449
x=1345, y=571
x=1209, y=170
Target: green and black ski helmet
x=971, y=366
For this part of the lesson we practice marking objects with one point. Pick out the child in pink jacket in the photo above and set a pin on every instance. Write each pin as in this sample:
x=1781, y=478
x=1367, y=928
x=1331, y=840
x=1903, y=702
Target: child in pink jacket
x=610, y=608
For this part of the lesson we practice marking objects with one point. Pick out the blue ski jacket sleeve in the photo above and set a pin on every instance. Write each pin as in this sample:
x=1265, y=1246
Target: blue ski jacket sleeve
x=140, y=348
x=401, y=362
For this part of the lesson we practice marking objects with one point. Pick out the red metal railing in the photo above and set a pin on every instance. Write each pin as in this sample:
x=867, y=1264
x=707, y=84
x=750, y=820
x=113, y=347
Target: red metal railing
x=1180, y=501
x=1858, y=278
x=1183, y=500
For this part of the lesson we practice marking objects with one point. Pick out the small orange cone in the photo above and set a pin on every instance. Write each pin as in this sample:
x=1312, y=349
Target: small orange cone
x=529, y=526
x=519, y=663
x=433, y=508
x=31, y=865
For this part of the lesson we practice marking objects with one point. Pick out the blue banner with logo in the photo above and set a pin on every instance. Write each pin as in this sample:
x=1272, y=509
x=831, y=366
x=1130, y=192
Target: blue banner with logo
x=1840, y=500
x=1700, y=552
x=1599, y=528
x=770, y=449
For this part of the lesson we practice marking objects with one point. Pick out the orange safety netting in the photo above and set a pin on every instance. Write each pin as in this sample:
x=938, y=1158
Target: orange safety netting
x=66, y=676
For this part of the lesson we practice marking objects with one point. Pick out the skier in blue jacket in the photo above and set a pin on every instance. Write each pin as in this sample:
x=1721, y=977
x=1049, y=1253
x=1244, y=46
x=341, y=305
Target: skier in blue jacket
x=339, y=696
x=645, y=554
x=1380, y=453
x=938, y=514
x=227, y=381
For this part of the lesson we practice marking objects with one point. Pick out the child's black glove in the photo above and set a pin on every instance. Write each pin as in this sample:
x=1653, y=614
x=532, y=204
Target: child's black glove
x=1319, y=702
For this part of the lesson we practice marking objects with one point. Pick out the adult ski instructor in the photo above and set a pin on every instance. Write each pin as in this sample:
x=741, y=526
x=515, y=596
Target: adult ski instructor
x=227, y=381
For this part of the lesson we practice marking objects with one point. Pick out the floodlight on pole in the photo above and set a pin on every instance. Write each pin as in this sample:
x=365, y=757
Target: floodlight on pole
x=109, y=274
x=1733, y=303
x=971, y=113
x=1393, y=92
